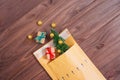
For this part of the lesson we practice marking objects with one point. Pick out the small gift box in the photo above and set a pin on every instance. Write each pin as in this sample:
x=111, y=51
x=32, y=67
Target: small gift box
x=40, y=38
x=71, y=65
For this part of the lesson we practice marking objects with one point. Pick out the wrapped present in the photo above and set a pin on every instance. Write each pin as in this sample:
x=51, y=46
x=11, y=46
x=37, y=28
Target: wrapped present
x=40, y=38
x=73, y=64
x=50, y=52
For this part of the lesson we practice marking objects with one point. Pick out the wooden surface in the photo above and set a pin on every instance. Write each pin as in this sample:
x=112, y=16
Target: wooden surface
x=95, y=24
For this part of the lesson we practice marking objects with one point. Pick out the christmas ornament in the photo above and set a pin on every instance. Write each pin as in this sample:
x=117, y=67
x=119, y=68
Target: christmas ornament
x=39, y=23
x=50, y=52
x=59, y=51
x=51, y=35
x=40, y=37
x=53, y=25
x=30, y=36
x=60, y=41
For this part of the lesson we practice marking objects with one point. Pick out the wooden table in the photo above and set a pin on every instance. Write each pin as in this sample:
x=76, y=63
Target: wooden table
x=95, y=24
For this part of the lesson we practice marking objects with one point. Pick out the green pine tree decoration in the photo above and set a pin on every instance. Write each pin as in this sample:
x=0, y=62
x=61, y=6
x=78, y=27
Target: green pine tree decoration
x=59, y=42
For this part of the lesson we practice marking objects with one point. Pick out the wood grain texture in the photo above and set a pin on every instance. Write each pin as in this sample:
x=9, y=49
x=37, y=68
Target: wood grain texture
x=93, y=23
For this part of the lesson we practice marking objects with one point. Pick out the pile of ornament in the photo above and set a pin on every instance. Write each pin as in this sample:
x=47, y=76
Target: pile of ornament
x=59, y=43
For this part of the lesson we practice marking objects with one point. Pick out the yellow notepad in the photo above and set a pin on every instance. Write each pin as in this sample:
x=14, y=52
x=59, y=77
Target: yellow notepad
x=71, y=65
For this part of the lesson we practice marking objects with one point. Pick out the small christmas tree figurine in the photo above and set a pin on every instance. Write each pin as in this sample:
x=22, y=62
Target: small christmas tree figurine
x=59, y=42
